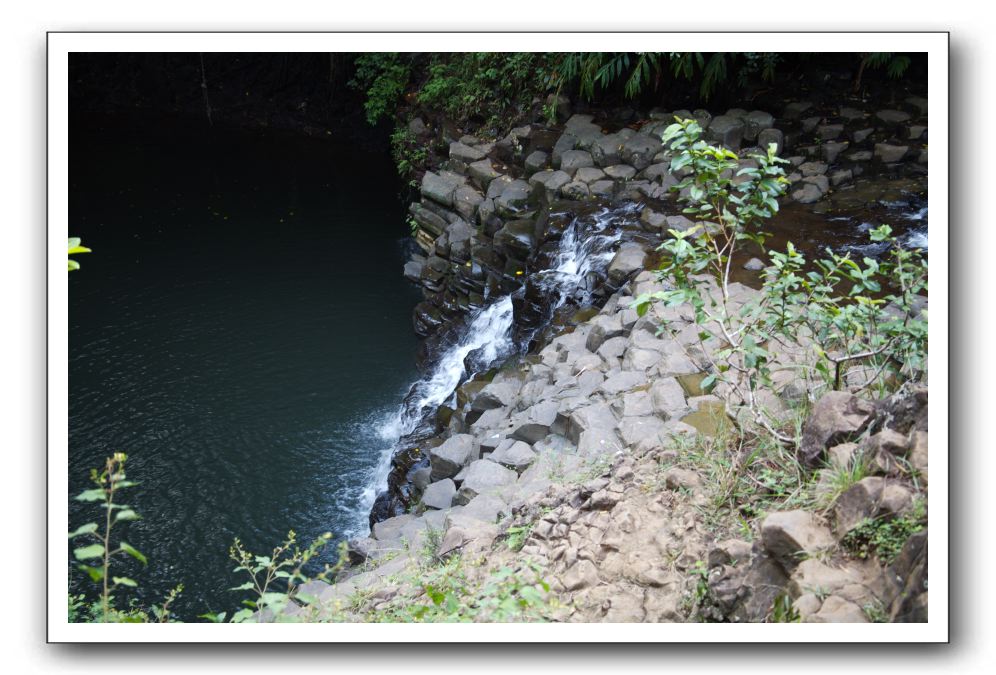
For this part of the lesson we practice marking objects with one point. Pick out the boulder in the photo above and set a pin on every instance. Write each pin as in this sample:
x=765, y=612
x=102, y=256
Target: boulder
x=769, y=136
x=589, y=174
x=537, y=161
x=755, y=122
x=484, y=477
x=513, y=199
x=449, y=458
x=439, y=495
x=390, y=529
x=576, y=190
x=483, y=173
x=517, y=456
x=516, y=239
x=893, y=116
x=791, y=536
x=620, y=171
x=639, y=151
x=890, y=153
x=727, y=131
x=439, y=188
x=627, y=261
x=572, y=160
x=595, y=416
x=836, y=418
x=494, y=395
x=537, y=422
x=465, y=153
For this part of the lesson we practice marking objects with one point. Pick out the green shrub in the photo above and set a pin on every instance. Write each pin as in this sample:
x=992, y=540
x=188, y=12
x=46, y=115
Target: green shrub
x=384, y=77
x=885, y=537
x=848, y=312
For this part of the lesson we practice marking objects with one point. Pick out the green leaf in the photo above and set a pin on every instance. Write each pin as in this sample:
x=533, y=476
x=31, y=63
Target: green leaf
x=91, y=551
x=244, y=587
x=93, y=495
x=73, y=266
x=241, y=616
x=96, y=574
x=218, y=617
x=89, y=528
x=708, y=382
x=134, y=552
x=124, y=581
x=126, y=514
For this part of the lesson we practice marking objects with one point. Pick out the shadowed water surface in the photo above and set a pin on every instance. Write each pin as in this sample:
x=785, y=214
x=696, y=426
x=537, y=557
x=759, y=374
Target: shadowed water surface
x=242, y=331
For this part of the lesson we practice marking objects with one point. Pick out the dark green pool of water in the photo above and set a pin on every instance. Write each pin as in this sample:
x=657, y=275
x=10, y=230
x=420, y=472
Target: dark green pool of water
x=242, y=330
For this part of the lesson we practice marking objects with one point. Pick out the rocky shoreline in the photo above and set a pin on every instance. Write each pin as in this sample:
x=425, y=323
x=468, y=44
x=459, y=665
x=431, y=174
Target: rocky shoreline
x=491, y=214
x=586, y=441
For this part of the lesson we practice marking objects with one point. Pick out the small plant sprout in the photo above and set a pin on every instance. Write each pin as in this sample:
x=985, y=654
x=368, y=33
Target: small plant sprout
x=95, y=557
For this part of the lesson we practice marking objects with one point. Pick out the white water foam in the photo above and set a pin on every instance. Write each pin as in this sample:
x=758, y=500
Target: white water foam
x=585, y=248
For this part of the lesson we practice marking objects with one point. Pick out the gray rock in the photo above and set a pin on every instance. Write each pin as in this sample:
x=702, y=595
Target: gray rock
x=466, y=200
x=620, y=171
x=893, y=116
x=513, y=199
x=537, y=422
x=595, y=416
x=603, y=327
x=516, y=239
x=668, y=397
x=832, y=150
x=625, y=380
x=565, y=143
x=589, y=174
x=769, y=136
x=859, y=135
x=484, y=477
x=439, y=188
x=755, y=122
x=483, y=173
x=679, y=223
x=813, y=168
x=456, y=452
x=387, y=530
x=417, y=127
x=572, y=160
x=829, y=132
x=841, y=176
x=890, y=153
x=754, y=265
x=494, y=395
x=807, y=194
x=439, y=495
x=791, y=536
x=640, y=432
x=605, y=151
x=627, y=261
x=517, y=456
x=537, y=161
x=576, y=190
x=836, y=418
x=639, y=151
x=465, y=153
x=602, y=188
x=727, y=131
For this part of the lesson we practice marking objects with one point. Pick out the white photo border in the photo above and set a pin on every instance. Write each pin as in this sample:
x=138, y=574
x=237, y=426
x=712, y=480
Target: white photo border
x=61, y=44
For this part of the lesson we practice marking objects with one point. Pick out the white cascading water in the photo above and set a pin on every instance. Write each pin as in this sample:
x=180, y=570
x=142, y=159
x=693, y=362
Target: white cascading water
x=585, y=248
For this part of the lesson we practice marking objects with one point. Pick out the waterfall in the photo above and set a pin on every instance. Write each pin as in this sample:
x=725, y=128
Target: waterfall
x=584, y=251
